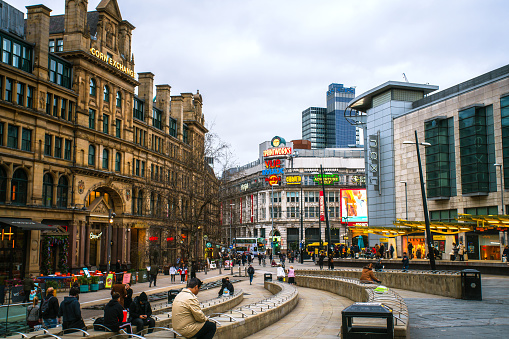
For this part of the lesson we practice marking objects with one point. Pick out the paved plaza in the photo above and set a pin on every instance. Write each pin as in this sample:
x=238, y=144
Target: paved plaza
x=318, y=313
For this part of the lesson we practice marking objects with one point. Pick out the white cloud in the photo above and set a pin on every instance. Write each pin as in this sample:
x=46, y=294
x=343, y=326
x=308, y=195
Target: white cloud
x=259, y=64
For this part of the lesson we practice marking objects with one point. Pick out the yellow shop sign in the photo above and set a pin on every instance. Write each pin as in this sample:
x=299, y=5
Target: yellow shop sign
x=112, y=62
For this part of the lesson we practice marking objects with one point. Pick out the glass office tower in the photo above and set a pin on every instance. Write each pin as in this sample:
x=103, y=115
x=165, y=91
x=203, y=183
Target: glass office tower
x=339, y=132
x=313, y=126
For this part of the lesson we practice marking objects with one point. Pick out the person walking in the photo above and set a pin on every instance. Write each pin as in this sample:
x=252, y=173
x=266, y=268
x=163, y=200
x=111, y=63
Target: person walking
x=410, y=247
x=280, y=273
x=154, y=271
x=251, y=272
x=140, y=312
x=70, y=311
x=405, y=261
x=173, y=272
x=187, y=317
x=33, y=314
x=49, y=309
x=320, y=260
x=455, y=250
x=28, y=286
x=128, y=297
x=120, y=289
x=505, y=254
x=114, y=315
x=391, y=251
x=331, y=262
x=291, y=276
x=368, y=275
x=461, y=251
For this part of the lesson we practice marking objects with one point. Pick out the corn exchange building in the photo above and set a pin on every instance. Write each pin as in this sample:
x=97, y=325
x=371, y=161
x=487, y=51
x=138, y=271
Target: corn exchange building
x=78, y=145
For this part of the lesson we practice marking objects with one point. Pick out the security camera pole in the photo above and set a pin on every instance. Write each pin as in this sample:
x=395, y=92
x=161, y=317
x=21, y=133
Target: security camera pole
x=111, y=215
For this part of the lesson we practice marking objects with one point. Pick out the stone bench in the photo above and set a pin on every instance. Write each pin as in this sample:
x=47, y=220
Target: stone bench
x=444, y=283
x=354, y=290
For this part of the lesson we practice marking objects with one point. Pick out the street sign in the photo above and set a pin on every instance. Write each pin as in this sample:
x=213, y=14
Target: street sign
x=231, y=247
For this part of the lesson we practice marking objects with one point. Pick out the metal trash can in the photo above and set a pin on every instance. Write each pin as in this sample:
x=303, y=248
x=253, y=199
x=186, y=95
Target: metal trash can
x=172, y=294
x=471, y=285
x=367, y=320
x=267, y=277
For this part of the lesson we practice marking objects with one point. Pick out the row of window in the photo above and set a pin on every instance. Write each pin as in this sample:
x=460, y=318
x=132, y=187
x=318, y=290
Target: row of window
x=59, y=71
x=62, y=190
x=9, y=136
x=16, y=53
x=57, y=147
x=105, y=158
x=59, y=107
x=24, y=95
x=451, y=215
x=59, y=45
x=106, y=93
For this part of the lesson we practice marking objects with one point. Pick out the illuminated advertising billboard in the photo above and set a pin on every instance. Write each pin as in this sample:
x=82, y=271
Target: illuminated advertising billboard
x=354, y=206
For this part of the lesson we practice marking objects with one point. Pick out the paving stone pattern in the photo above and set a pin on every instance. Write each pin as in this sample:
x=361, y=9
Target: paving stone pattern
x=454, y=318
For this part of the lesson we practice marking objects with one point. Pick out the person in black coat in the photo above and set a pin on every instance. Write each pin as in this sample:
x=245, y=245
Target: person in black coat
x=49, y=309
x=71, y=312
x=140, y=312
x=114, y=315
x=128, y=299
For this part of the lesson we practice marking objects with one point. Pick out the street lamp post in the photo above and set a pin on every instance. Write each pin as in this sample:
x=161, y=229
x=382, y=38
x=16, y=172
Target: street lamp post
x=502, y=209
x=327, y=228
x=111, y=215
x=302, y=241
x=429, y=239
x=406, y=212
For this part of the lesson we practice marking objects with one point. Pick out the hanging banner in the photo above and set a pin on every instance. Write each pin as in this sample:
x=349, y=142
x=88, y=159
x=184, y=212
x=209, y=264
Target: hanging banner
x=322, y=207
x=252, y=209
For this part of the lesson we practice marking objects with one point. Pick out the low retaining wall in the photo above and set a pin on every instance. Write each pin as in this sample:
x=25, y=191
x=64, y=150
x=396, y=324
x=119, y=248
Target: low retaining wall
x=209, y=307
x=447, y=285
x=357, y=292
x=256, y=322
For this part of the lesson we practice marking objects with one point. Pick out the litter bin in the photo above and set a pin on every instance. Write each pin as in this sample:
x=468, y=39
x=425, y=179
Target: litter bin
x=367, y=320
x=471, y=285
x=267, y=277
x=172, y=294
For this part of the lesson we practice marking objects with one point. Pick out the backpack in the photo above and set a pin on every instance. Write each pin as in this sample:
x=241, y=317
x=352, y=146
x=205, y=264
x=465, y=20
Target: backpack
x=99, y=321
x=45, y=307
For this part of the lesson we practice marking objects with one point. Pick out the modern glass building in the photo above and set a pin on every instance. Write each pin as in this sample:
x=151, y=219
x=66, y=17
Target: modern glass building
x=339, y=132
x=313, y=126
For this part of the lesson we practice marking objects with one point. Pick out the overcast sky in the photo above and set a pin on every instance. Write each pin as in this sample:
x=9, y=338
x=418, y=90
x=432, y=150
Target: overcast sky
x=259, y=64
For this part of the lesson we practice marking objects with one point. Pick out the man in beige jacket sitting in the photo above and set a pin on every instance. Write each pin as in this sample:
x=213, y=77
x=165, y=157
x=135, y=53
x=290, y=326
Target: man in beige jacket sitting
x=187, y=317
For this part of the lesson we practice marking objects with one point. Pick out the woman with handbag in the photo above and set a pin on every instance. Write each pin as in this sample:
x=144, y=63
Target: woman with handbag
x=33, y=314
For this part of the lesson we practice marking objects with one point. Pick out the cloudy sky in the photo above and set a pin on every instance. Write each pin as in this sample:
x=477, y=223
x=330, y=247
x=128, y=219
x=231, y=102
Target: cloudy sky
x=259, y=64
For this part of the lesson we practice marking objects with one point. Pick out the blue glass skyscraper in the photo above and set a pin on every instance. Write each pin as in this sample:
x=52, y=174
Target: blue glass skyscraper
x=339, y=132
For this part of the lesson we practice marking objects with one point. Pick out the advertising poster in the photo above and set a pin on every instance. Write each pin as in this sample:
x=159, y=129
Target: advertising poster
x=109, y=280
x=354, y=206
x=127, y=278
x=322, y=207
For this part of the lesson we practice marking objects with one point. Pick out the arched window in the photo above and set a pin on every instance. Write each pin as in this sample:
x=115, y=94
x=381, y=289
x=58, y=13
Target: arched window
x=47, y=190
x=119, y=99
x=93, y=87
x=19, y=187
x=106, y=94
x=118, y=158
x=139, y=203
x=3, y=185
x=91, y=155
x=152, y=204
x=106, y=157
x=62, y=192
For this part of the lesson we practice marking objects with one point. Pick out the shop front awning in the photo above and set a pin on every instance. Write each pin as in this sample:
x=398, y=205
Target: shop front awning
x=26, y=224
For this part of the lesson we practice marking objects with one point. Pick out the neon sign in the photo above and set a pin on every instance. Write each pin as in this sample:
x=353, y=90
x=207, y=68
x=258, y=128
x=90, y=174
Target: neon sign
x=153, y=238
x=273, y=179
x=94, y=236
x=328, y=179
x=293, y=180
x=272, y=152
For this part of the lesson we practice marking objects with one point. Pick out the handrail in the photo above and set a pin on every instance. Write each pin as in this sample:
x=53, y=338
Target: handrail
x=224, y=314
x=23, y=335
x=128, y=334
x=86, y=334
x=101, y=325
x=162, y=329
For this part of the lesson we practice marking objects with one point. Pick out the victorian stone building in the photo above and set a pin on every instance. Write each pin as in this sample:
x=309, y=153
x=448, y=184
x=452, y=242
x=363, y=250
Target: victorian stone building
x=78, y=145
